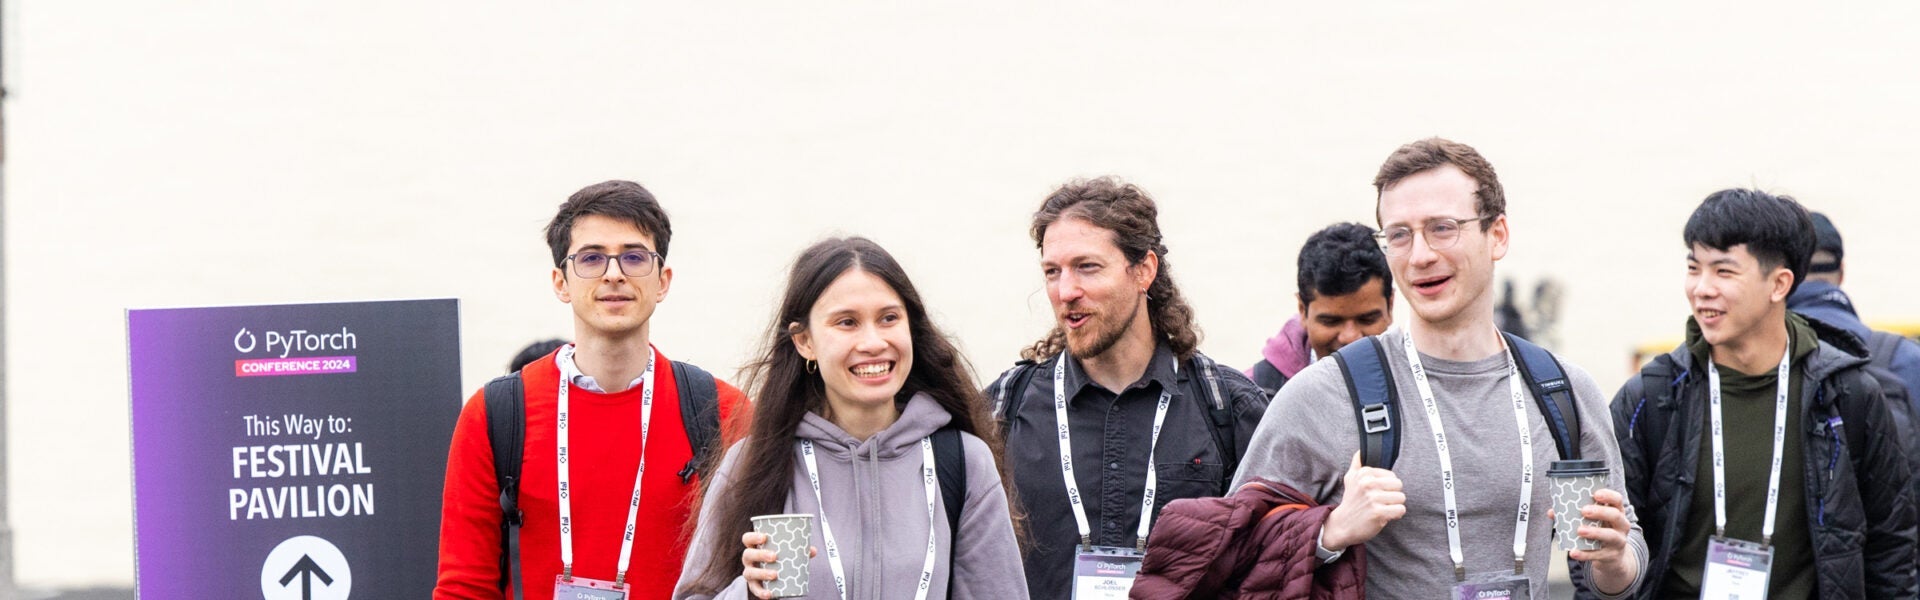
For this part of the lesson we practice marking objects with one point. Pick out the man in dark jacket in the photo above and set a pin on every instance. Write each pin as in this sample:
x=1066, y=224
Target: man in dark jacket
x=1831, y=514
x=1345, y=293
x=1821, y=298
x=1143, y=417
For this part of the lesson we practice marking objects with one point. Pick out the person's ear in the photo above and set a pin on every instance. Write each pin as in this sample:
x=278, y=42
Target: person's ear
x=802, y=340
x=560, y=290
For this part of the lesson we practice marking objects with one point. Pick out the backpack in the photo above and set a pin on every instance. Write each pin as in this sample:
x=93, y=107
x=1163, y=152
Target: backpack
x=1906, y=417
x=1007, y=401
x=700, y=415
x=1376, y=402
x=1882, y=346
x=506, y=432
x=1268, y=377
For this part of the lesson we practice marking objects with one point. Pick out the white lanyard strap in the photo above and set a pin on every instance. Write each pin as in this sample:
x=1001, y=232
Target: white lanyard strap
x=1447, y=480
x=1066, y=459
x=633, y=507
x=927, y=477
x=1720, y=451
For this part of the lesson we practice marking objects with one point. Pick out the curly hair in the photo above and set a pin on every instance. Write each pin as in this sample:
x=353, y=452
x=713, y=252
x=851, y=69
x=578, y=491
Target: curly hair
x=1338, y=260
x=1131, y=216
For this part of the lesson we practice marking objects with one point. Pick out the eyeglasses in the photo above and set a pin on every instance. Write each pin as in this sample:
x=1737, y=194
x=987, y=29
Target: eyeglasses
x=1441, y=234
x=634, y=263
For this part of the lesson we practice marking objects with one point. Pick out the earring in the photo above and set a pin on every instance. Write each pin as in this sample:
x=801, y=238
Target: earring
x=812, y=367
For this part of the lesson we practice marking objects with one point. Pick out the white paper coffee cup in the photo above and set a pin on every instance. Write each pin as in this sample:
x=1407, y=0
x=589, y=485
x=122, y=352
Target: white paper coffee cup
x=788, y=536
x=1574, y=482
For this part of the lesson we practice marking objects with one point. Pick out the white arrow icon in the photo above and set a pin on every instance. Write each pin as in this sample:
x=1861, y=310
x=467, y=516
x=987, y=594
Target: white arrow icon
x=305, y=568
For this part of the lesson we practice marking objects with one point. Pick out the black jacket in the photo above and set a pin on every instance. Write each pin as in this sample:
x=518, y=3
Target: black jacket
x=1860, y=508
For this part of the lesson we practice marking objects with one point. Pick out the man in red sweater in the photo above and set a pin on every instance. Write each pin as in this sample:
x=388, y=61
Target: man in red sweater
x=608, y=404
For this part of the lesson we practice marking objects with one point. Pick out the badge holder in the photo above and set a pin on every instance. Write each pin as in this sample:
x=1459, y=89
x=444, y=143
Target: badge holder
x=1496, y=585
x=1736, y=569
x=581, y=588
x=1104, y=572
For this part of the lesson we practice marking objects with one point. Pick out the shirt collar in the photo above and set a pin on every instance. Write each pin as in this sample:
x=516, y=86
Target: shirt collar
x=564, y=358
x=1163, y=368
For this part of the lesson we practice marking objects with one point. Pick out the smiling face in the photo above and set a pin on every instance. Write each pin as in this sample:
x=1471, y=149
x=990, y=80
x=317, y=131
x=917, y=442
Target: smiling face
x=1732, y=295
x=1098, y=299
x=1335, y=321
x=1452, y=286
x=613, y=305
x=857, y=330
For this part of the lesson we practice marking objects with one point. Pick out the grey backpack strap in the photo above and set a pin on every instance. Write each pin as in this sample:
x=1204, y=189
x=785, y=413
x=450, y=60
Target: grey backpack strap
x=1220, y=412
x=1881, y=346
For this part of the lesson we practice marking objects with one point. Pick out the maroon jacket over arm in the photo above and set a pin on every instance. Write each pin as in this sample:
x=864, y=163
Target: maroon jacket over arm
x=1257, y=543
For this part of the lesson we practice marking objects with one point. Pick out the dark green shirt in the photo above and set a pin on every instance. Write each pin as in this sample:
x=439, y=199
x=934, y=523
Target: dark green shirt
x=1746, y=408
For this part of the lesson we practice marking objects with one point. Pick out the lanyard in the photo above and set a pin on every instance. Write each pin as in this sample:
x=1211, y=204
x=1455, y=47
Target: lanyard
x=566, y=499
x=833, y=547
x=1066, y=459
x=1720, y=452
x=1447, y=481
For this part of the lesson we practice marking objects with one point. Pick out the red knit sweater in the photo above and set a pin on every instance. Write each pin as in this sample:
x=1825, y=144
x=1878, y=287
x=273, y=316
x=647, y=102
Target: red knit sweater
x=605, y=452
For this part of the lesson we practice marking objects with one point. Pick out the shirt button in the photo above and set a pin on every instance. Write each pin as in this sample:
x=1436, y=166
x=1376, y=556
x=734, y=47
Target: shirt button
x=1113, y=465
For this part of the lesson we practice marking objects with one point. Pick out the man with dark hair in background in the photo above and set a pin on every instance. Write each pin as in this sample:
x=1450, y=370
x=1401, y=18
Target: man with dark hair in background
x=1831, y=514
x=1115, y=412
x=1345, y=293
x=595, y=414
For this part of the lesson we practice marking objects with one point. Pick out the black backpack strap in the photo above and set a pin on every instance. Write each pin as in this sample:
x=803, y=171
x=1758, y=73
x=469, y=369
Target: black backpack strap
x=1552, y=391
x=1660, y=383
x=699, y=413
x=1012, y=393
x=1376, y=402
x=506, y=432
x=1220, y=410
x=950, y=464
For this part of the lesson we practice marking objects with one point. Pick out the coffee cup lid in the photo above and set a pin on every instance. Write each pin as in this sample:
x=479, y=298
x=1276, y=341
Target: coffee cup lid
x=792, y=516
x=1572, y=468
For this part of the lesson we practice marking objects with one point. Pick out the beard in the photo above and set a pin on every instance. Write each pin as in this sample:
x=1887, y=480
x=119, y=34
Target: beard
x=1101, y=336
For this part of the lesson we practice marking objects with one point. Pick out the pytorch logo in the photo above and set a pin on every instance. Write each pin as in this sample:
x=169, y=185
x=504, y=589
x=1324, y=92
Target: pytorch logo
x=283, y=344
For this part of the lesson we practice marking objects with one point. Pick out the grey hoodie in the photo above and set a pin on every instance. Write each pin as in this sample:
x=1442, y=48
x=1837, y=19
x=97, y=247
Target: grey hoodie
x=876, y=502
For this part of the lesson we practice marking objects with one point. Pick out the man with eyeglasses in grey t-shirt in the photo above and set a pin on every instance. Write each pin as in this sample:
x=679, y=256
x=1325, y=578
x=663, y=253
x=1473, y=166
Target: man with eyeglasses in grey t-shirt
x=1443, y=219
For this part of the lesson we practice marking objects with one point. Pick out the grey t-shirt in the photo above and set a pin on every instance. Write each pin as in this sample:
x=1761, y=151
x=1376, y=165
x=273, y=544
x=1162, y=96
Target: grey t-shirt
x=1309, y=436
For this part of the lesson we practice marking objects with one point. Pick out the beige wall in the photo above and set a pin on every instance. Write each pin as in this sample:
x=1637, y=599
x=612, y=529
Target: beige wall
x=196, y=153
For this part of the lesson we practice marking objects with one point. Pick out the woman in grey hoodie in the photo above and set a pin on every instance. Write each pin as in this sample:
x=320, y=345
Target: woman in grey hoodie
x=853, y=381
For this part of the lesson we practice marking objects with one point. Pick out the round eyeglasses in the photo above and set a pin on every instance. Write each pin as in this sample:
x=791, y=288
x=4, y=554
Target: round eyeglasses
x=1441, y=234
x=633, y=263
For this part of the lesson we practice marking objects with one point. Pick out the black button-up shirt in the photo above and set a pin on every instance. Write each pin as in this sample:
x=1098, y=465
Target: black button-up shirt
x=1111, y=438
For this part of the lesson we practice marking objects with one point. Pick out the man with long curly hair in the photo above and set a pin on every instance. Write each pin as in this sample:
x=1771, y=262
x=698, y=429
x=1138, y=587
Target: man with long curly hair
x=1116, y=397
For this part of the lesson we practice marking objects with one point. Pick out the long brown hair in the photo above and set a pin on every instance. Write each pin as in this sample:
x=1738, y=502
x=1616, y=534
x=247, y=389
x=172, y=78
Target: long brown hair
x=762, y=477
x=1131, y=217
